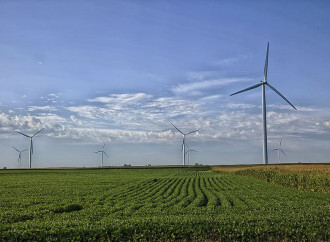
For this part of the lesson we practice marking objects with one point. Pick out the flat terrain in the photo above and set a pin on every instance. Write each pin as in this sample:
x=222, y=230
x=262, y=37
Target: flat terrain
x=323, y=168
x=308, y=177
x=156, y=204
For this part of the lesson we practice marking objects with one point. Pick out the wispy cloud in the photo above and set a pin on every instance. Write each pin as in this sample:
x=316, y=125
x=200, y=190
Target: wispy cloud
x=239, y=106
x=187, y=88
x=229, y=60
x=143, y=118
x=42, y=108
x=299, y=108
x=121, y=98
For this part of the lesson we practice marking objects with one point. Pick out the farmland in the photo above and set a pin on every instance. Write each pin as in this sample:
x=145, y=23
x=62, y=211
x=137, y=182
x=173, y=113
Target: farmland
x=308, y=177
x=156, y=203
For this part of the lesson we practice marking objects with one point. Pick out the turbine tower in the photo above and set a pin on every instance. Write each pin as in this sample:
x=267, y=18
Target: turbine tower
x=103, y=153
x=278, y=151
x=19, y=155
x=264, y=123
x=188, y=153
x=31, y=144
x=184, y=143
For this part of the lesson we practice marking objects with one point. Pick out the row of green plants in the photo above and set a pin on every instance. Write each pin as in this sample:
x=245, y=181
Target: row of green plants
x=181, y=227
x=155, y=204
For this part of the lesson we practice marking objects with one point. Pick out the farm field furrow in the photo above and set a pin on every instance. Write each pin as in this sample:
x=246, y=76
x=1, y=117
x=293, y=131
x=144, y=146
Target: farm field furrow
x=176, y=194
x=156, y=203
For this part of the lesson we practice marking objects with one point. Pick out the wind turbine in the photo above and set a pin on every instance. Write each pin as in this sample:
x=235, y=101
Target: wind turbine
x=187, y=153
x=263, y=84
x=278, y=151
x=184, y=143
x=19, y=155
x=103, y=152
x=31, y=144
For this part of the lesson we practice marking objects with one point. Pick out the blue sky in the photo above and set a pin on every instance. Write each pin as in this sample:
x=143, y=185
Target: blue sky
x=120, y=72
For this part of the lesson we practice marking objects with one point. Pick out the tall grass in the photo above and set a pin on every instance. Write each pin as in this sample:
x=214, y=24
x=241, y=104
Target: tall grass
x=314, y=178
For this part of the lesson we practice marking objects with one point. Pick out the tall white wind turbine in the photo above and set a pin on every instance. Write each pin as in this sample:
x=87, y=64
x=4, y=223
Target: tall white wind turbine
x=103, y=153
x=279, y=150
x=31, y=144
x=188, y=154
x=184, y=143
x=263, y=84
x=19, y=155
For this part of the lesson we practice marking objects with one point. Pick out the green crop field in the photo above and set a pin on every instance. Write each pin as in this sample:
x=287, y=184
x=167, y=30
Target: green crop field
x=156, y=204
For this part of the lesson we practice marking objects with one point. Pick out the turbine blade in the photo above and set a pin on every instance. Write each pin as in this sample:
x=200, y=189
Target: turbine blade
x=266, y=63
x=247, y=89
x=15, y=149
x=24, y=150
x=103, y=146
x=23, y=134
x=275, y=149
x=98, y=151
x=282, y=152
x=177, y=129
x=106, y=154
x=38, y=132
x=192, y=132
x=273, y=88
x=194, y=150
x=281, y=142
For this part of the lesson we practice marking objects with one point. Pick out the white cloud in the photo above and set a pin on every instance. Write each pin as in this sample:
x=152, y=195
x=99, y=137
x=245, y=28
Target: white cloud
x=142, y=118
x=121, y=98
x=188, y=88
x=75, y=120
x=91, y=112
x=288, y=107
x=239, y=106
x=212, y=97
x=42, y=108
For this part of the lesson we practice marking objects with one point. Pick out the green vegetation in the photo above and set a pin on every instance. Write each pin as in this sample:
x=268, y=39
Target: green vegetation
x=155, y=204
x=311, y=181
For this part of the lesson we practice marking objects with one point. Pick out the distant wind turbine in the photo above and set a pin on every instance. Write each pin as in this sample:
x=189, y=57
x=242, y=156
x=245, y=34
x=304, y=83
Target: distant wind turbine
x=103, y=153
x=184, y=143
x=31, y=144
x=19, y=155
x=278, y=151
x=188, y=154
x=262, y=84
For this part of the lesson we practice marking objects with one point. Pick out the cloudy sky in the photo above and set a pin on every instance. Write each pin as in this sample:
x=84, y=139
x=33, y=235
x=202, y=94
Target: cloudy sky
x=120, y=72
